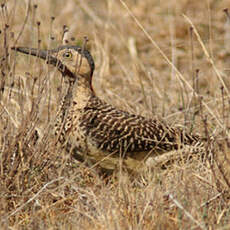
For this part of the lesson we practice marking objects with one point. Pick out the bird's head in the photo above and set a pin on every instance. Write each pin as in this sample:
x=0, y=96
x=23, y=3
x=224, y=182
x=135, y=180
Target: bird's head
x=72, y=61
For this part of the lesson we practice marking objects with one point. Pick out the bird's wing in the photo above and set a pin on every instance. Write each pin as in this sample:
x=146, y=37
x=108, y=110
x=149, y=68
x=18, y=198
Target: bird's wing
x=114, y=130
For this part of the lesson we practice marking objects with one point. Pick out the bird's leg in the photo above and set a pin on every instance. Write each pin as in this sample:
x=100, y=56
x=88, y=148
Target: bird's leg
x=165, y=158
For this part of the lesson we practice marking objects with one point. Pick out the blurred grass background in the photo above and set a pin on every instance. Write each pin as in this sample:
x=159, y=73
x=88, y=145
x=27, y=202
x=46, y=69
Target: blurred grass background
x=43, y=188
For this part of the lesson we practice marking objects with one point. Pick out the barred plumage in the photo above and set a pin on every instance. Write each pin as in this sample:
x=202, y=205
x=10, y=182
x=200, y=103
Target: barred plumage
x=115, y=130
x=97, y=130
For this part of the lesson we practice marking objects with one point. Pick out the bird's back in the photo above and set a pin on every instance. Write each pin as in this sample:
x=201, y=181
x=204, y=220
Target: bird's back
x=124, y=134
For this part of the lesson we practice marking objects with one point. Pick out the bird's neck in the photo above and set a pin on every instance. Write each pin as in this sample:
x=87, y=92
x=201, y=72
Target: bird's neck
x=80, y=92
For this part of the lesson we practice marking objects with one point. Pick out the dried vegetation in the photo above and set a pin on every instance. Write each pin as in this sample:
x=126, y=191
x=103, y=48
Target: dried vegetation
x=155, y=58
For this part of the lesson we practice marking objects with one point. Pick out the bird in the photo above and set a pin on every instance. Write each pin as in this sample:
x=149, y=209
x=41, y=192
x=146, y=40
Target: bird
x=98, y=132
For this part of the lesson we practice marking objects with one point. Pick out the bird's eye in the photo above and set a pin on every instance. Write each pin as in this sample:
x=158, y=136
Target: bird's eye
x=67, y=54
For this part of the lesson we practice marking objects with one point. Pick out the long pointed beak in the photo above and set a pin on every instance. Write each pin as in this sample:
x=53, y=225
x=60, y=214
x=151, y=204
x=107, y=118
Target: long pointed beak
x=43, y=54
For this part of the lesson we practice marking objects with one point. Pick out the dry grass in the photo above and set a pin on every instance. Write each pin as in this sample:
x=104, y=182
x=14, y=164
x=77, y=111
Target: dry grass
x=150, y=60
